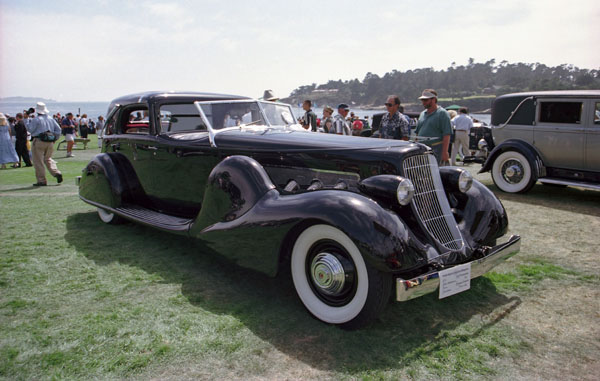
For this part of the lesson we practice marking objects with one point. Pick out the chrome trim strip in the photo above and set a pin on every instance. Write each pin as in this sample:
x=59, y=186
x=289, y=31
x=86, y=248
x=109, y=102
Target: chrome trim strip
x=407, y=289
x=570, y=183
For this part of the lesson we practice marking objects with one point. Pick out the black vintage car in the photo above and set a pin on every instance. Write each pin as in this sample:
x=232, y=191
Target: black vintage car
x=353, y=219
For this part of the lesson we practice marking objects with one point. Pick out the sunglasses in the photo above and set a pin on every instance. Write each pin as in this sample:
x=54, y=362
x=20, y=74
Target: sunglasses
x=388, y=104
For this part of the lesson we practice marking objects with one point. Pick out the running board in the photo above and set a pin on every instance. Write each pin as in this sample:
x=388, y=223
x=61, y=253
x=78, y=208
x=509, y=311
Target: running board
x=582, y=184
x=155, y=219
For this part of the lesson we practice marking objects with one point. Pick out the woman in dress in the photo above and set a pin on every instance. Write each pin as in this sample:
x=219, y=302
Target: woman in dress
x=7, y=148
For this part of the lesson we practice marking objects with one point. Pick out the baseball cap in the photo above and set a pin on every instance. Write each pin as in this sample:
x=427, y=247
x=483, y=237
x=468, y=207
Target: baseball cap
x=343, y=106
x=428, y=94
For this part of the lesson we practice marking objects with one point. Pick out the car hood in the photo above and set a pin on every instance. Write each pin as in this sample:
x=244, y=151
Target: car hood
x=282, y=140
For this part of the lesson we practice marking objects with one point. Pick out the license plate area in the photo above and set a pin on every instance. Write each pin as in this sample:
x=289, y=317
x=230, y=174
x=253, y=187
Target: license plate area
x=455, y=280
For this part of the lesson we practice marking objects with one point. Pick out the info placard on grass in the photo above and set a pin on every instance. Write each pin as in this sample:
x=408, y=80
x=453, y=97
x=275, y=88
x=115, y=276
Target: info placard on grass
x=455, y=280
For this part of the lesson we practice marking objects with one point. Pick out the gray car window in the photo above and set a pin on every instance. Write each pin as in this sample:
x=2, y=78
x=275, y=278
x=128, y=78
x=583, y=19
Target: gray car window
x=560, y=112
x=180, y=117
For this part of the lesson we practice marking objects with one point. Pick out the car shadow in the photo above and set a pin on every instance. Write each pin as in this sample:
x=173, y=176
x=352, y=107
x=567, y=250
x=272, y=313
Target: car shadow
x=572, y=199
x=270, y=308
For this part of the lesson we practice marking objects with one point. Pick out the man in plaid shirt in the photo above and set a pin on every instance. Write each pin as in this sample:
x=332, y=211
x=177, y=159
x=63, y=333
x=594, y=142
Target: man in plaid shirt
x=393, y=124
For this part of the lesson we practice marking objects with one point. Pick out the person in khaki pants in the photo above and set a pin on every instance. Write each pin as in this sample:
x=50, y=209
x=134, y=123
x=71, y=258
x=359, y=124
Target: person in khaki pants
x=462, y=126
x=42, y=149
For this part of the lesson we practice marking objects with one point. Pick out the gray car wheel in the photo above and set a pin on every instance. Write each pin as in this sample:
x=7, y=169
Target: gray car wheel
x=513, y=173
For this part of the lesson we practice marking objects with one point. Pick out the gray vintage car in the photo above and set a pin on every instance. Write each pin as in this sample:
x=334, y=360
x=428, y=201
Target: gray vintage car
x=547, y=136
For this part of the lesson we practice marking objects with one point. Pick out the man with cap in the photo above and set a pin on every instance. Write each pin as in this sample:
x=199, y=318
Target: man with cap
x=340, y=124
x=434, y=124
x=42, y=150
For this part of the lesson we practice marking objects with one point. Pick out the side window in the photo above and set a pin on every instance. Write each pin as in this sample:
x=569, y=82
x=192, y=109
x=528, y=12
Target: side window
x=134, y=120
x=597, y=113
x=180, y=117
x=109, y=128
x=560, y=112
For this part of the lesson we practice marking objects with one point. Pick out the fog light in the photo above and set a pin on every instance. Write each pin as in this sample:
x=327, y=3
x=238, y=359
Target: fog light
x=405, y=191
x=465, y=180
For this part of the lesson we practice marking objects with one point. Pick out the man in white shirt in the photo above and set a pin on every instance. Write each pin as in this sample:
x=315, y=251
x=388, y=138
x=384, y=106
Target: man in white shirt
x=462, y=125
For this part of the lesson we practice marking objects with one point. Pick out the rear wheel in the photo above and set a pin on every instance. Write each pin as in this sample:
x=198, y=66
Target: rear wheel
x=333, y=281
x=513, y=173
x=108, y=217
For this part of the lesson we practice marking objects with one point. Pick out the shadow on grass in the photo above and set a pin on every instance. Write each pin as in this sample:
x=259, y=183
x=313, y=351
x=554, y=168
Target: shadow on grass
x=269, y=307
x=578, y=200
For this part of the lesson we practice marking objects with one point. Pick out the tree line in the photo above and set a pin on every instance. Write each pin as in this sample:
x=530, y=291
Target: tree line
x=471, y=85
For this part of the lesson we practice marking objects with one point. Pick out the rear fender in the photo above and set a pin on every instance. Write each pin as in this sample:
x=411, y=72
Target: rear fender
x=109, y=179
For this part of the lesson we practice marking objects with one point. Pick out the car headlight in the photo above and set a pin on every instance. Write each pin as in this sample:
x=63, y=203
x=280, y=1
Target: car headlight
x=465, y=180
x=482, y=144
x=405, y=191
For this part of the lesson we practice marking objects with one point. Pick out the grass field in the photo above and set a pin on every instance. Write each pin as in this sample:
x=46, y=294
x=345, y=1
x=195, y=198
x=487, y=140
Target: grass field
x=80, y=299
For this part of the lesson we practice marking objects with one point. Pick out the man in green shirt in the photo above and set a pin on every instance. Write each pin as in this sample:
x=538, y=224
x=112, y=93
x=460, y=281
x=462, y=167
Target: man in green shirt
x=434, y=124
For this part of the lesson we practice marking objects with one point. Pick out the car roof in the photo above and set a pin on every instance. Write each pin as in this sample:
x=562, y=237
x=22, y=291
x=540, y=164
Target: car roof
x=158, y=96
x=555, y=93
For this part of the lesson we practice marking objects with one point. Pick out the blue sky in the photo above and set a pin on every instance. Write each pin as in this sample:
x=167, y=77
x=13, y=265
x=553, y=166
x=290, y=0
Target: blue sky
x=98, y=50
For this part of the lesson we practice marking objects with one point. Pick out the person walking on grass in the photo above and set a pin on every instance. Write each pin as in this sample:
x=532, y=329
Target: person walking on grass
x=7, y=148
x=44, y=131
x=100, y=130
x=69, y=130
x=462, y=125
x=21, y=141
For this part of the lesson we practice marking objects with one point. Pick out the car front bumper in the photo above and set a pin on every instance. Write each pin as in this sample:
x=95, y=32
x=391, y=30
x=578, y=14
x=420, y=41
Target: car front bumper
x=407, y=289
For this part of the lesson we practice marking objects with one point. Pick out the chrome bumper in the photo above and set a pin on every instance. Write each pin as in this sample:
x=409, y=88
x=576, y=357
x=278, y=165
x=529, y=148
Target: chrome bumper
x=407, y=289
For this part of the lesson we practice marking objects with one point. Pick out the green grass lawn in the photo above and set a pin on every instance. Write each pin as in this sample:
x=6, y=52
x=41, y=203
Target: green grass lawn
x=80, y=299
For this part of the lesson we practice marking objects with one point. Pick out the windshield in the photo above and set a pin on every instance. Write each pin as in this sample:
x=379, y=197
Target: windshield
x=225, y=114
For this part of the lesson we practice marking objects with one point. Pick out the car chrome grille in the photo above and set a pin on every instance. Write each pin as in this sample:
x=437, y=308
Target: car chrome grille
x=430, y=203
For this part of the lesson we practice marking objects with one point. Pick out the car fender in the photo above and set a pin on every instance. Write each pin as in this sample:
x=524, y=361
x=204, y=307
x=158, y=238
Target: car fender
x=245, y=217
x=110, y=180
x=516, y=145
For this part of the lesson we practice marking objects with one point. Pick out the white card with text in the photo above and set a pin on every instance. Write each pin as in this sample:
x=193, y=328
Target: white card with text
x=455, y=280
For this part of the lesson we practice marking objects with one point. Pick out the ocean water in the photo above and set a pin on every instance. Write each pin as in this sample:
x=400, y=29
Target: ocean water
x=92, y=109
x=95, y=109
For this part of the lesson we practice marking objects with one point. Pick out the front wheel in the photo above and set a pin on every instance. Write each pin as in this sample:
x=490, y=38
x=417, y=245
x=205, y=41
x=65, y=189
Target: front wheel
x=513, y=173
x=333, y=281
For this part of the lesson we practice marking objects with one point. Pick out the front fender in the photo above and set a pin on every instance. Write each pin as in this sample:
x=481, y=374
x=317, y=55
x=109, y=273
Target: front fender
x=256, y=239
x=482, y=217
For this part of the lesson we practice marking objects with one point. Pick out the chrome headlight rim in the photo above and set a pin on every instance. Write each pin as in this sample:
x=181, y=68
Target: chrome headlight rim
x=405, y=192
x=482, y=144
x=465, y=181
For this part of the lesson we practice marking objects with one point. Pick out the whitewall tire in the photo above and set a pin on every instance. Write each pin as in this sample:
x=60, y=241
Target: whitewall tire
x=333, y=281
x=513, y=173
x=108, y=217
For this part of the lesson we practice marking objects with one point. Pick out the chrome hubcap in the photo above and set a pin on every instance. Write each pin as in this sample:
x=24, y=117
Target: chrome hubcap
x=513, y=171
x=327, y=273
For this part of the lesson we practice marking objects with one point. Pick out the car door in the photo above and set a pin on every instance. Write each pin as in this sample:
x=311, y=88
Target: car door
x=133, y=139
x=592, y=137
x=559, y=133
x=182, y=158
